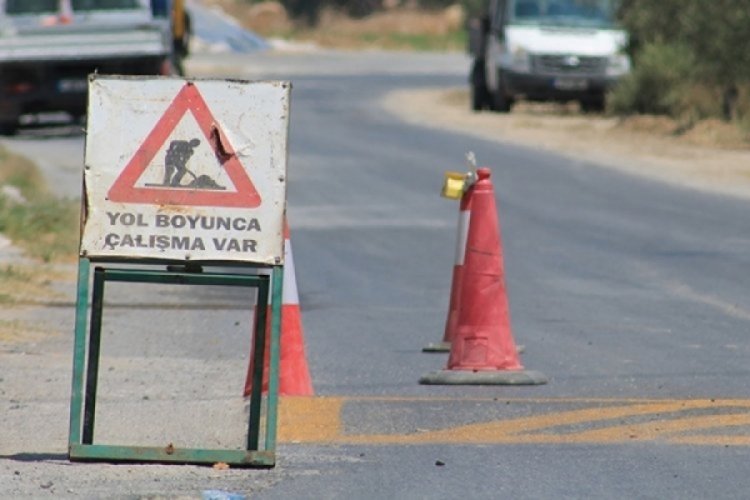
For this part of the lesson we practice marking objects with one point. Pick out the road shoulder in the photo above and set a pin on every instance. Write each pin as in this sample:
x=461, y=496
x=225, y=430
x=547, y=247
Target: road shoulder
x=599, y=141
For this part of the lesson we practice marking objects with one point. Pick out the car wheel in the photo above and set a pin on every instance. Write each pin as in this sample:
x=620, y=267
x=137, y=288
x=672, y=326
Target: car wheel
x=8, y=127
x=480, y=96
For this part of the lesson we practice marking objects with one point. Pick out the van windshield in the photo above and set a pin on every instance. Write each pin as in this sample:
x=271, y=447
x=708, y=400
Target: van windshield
x=565, y=13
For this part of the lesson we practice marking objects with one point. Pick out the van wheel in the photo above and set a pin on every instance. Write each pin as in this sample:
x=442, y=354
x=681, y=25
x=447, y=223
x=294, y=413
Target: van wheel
x=480, y=96
x=501, y=102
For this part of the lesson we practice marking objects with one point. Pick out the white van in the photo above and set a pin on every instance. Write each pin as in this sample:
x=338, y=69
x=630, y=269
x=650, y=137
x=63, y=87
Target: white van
x=546, y=50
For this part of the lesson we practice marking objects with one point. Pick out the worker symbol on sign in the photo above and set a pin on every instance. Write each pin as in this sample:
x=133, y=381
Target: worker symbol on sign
x=180, y=184
x=175, y=167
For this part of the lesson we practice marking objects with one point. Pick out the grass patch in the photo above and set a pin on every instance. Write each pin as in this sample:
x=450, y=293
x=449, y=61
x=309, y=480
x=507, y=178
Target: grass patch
x=15, y=332
x=44, y=226
x=13, y=272
x=454, y=41
x=423, y=42
x=21, y=173
x=28, y=284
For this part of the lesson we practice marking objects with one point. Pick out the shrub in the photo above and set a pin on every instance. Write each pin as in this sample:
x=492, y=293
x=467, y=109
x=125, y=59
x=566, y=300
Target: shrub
x=658, y=83
x=309, y=10
x=714, y=32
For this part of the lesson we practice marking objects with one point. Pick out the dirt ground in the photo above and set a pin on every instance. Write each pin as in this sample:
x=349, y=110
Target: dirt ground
x=710, y=157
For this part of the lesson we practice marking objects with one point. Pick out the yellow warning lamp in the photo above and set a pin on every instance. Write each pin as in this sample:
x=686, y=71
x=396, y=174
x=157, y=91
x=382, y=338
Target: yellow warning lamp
x=455, y=184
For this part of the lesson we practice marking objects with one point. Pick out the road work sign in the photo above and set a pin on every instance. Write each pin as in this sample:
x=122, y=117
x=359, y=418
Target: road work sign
x=185, y=169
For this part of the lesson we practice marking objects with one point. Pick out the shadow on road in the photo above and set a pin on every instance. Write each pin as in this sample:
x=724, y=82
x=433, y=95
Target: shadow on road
x=34, y=457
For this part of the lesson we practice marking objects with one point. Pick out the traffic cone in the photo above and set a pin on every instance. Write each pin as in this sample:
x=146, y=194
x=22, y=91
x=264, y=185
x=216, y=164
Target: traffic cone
x=294, y=374
x=451, y=321
x=483, y=351
x=65, y=15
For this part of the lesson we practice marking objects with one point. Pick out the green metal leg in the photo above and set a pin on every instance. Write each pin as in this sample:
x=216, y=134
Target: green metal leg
x=83, y=404
x=259, y=350
x=92, y=372
x=273, y=369
x=79, y=352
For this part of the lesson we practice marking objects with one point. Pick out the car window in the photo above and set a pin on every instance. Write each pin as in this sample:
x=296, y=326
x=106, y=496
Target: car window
x=84, y=5
x=52, y=6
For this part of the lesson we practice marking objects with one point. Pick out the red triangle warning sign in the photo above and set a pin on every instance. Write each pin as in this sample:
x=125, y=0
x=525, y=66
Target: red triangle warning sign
x=180, y=185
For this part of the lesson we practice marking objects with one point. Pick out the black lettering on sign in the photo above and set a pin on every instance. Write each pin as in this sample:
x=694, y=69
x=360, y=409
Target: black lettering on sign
x=126, y=219
x=162, y=242
x=235, y=245
x=207, y=222
x=249, y=245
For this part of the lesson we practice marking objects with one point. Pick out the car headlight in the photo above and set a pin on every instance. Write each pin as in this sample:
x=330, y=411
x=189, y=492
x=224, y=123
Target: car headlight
x=618, y=65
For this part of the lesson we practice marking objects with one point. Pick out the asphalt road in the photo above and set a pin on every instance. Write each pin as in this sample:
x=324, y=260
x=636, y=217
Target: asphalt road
x=630, y=296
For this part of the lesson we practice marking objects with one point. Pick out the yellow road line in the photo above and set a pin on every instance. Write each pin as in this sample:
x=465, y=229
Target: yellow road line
x=319, y=420
x=305, y=420
x=665, y=429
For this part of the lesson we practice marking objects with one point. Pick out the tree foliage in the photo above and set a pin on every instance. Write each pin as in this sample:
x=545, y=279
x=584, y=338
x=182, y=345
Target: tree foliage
x=712, y=33
x=308, y=10
x=659, y=82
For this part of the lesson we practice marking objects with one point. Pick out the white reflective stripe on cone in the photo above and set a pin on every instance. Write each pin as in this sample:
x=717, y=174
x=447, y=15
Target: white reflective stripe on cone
x=290, y=294
x=463, y=235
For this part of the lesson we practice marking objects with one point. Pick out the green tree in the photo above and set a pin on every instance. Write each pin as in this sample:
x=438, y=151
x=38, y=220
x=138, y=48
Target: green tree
x=715, y=32
x=304, y=10
x=308, y=10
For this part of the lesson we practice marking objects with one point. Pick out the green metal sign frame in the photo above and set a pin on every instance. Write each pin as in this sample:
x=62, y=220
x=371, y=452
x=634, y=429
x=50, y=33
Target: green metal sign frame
x=86, y=366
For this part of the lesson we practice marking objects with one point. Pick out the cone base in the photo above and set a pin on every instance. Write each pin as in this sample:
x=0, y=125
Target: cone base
x=484, y=377
x=437, y=347
x=446, y=347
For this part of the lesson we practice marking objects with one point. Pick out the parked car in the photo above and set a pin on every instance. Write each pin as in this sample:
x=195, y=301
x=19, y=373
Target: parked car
x=49, y=47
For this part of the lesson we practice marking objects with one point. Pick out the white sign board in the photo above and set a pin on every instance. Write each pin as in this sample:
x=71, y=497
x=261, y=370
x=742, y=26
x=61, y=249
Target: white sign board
x=185, y=169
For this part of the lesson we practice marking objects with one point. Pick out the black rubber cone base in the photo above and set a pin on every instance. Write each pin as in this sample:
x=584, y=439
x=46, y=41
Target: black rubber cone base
x=446, y=347
x=437, y=347
x=484, y=377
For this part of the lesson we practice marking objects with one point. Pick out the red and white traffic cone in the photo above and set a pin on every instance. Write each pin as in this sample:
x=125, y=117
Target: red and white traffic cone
x=294, y=374
x=65, y=15
x=483, y=351
x=451, y=321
